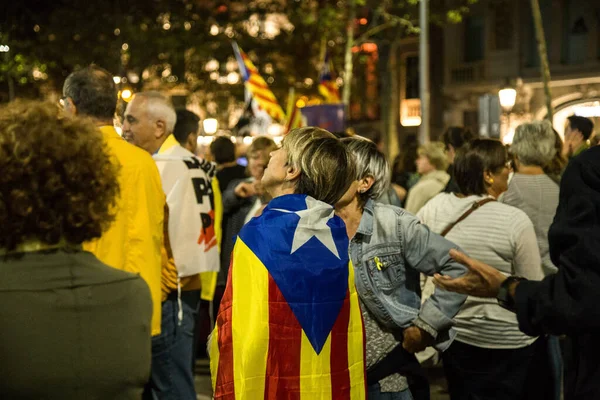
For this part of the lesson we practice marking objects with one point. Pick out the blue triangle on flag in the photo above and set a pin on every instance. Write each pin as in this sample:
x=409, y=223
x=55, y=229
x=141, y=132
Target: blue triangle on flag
x=315, y=295
x=313, y=281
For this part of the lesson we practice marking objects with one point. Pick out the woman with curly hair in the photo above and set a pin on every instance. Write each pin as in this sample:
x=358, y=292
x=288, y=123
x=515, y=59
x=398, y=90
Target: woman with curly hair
x=73, y=327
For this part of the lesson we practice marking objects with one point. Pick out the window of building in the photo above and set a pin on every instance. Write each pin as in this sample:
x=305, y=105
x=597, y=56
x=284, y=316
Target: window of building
x=575, y=32
x=474, y=39
x=412, y=78
x=503, y=25
x=532, y=58
x=410, y=103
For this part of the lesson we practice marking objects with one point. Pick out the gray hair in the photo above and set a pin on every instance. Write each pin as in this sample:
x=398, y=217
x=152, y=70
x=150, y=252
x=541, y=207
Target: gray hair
x=369, y=162
x=534, y=143
x=159, y=106
x=93, y=92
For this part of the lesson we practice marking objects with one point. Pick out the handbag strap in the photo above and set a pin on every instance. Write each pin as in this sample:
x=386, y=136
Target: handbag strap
x=474, y=207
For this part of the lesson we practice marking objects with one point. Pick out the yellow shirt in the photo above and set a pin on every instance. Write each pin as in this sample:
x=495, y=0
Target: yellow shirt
x=133, y=241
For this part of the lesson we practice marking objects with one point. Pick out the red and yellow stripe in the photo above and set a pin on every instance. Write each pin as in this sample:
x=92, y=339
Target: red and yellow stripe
x=329, y=90
x=259, y=89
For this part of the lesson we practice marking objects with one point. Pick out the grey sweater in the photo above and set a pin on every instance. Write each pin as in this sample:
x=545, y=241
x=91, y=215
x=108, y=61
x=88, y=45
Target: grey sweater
x=537, y=196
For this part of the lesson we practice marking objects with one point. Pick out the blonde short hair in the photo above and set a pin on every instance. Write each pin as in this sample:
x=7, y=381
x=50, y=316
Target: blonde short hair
x=436, y=153
x=261, y=143
x=326, y=167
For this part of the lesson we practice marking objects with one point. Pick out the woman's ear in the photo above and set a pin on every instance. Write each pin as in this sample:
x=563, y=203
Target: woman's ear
x=365, y=183
x=488, y=178
x=292, y=173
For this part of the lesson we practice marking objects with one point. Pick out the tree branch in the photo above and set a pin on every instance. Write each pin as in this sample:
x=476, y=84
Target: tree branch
x=393, y=21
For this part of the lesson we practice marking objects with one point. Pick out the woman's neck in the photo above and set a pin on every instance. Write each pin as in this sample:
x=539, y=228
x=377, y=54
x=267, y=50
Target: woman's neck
x=530, y=170
x=351, y=214
x=281, y=190
x=493, y=193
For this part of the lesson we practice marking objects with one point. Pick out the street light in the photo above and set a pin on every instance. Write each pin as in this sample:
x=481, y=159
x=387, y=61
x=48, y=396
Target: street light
x=210, y=126
x=508, y=97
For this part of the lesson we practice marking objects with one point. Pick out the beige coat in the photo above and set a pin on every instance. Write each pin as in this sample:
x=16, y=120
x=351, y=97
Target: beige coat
x=426, y=188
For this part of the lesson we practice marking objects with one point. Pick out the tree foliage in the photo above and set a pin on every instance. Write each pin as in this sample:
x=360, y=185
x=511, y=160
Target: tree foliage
x=168, y=43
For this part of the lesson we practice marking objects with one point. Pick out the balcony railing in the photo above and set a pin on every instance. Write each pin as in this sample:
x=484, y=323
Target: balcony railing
x=410, y=112
x=468, y=73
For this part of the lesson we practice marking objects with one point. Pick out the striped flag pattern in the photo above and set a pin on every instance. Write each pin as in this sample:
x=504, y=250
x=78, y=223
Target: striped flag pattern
x=289, y=325
x=327, y=85
x=257, y=86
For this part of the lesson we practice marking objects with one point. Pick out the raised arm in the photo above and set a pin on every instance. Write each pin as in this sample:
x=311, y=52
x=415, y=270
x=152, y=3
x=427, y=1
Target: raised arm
x=231, y=201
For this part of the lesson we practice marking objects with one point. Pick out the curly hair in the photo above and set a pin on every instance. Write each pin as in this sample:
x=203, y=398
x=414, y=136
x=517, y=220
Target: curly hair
x=58, y=181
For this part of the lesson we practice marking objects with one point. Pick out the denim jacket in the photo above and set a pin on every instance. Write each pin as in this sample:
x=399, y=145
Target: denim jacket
x=389, y=251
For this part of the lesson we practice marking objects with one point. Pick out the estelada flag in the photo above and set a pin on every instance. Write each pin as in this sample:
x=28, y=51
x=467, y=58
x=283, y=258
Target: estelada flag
x=327, y=85
x=289, y=325
x=256, y=85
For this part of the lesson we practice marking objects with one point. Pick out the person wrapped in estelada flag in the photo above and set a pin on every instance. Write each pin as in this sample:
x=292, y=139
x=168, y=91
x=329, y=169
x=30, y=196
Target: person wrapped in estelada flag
x=289, y=325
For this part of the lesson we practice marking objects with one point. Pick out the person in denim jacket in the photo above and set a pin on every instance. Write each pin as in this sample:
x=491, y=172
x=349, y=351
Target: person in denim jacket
x=389, y=248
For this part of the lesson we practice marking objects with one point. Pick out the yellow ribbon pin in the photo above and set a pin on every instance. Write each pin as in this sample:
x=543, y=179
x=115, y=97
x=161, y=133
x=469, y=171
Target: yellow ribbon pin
x=378, y=263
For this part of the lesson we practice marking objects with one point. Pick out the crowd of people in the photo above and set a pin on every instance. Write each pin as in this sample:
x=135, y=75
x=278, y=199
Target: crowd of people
x=321, y=285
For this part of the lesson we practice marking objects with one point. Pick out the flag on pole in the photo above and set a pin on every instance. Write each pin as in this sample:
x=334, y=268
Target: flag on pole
x=327, y=85
x=290, y=325
x=257, y=86
x=294, y=116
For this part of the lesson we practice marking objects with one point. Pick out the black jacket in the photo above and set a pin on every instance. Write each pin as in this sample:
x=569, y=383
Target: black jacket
x=235, y=211
x=569, y=301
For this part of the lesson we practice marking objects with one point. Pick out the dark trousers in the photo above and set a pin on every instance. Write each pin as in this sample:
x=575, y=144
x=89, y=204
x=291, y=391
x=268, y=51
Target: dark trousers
x=476, y=373
x=406, y=364
x=206, y=320
x=202, y=330
x=544, y=378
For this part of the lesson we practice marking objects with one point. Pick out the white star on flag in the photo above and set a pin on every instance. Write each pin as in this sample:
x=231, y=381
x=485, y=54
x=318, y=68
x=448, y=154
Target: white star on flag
x=313, y=222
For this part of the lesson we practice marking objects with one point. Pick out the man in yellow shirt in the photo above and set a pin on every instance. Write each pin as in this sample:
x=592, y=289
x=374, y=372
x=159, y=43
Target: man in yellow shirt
x=133, y=241
x=191, y=251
